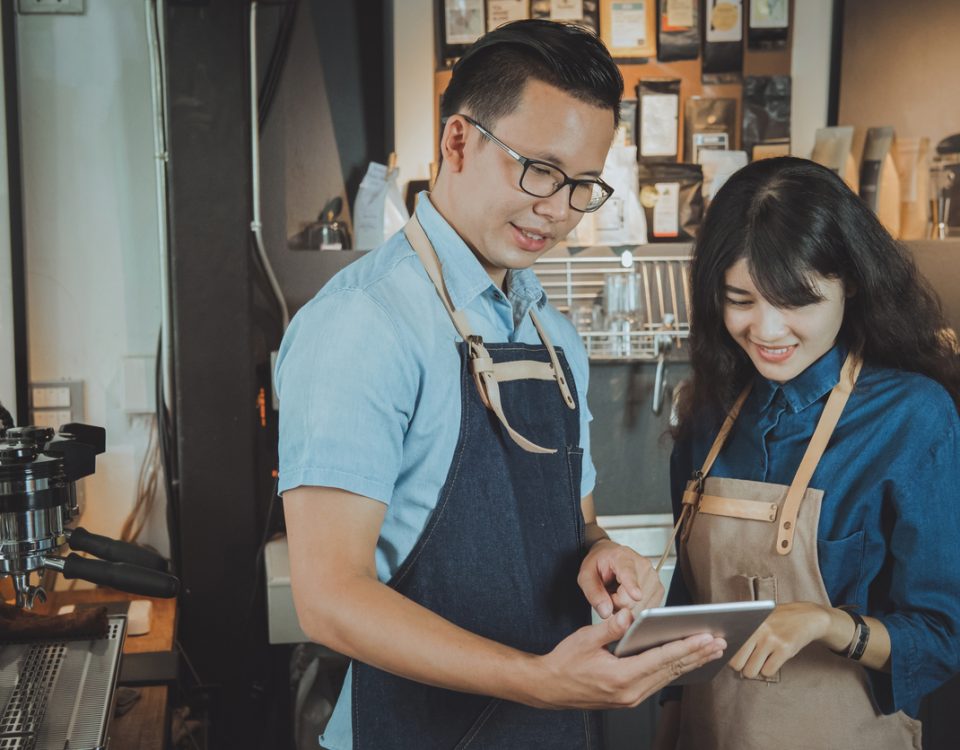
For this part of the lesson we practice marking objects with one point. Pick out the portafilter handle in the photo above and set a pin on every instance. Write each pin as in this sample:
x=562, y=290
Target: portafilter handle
x=106, y=548
x=117, y=575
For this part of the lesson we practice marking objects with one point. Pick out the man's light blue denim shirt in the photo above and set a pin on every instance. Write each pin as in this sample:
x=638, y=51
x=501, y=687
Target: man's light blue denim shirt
x=369, y=386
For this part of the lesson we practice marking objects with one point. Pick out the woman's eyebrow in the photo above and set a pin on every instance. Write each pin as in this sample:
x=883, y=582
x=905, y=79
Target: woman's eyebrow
x=735, y=290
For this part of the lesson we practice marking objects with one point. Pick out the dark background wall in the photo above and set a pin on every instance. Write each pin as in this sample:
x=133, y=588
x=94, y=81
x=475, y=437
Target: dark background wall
x=330, y=118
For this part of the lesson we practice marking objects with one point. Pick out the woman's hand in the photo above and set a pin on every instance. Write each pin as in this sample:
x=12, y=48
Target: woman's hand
x=615, y=577
x=788, y=629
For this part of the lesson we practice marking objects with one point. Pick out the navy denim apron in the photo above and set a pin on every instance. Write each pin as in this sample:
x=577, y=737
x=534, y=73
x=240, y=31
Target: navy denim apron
x=499, y=557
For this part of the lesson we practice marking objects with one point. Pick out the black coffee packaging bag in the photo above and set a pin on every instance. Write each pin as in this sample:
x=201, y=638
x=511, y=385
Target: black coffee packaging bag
x=708, y=123
x=584, y=13
x=766, y=112
x=678, y=30
x=769, y=24
x=722, y=40
x=672, y=200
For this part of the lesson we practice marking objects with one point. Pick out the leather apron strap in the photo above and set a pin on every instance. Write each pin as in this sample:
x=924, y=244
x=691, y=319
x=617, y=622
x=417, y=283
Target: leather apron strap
x=815, y=449
x=801, y=480
x=488, y=374
x=689, y=497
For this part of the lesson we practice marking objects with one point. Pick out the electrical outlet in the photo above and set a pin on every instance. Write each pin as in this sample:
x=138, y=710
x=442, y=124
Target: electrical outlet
x=56, y=403
x=49, y=7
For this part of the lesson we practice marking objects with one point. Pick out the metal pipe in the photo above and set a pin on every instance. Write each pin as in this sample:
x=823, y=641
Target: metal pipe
x=161, y=158
x=255, y=225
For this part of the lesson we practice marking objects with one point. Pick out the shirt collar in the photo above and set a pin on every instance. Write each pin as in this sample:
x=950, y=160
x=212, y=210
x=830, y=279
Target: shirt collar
x=809, y=386
x=463, y=275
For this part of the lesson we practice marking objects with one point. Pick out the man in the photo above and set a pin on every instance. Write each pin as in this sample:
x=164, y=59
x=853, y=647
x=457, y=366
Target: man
x=434, y=447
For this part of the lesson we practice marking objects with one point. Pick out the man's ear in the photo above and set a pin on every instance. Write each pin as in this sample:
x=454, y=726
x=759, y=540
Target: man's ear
x=452, y=143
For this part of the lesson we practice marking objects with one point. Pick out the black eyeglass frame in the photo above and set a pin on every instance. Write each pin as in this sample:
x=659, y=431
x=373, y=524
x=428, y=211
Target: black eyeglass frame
x=526, y=163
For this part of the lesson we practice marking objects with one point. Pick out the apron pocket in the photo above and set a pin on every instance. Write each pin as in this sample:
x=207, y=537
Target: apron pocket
x=478, y=725
x=574, y=476
x=847, y=555
x=504, y=724
x=755, y=588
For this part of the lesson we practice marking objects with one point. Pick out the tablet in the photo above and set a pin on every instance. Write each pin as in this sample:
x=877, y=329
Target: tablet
x=735, y=622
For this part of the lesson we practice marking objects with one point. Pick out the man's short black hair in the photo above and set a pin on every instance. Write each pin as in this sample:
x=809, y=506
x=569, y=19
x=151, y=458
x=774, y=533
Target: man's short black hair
x=489, y=79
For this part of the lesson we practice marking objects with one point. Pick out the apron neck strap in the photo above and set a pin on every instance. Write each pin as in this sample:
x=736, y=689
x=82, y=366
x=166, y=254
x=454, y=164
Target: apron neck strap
x=815, y=450
x=724, y=433
x=431, y=263
x=481, y=363
x=801, y=480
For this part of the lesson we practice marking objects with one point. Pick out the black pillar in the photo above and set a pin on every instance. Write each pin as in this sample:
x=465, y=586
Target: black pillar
x=219, y=355
x=11, y=97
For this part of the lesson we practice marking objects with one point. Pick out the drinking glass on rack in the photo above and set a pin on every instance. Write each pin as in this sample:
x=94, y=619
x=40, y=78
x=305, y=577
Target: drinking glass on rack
x=622, y=300
x=587, y=318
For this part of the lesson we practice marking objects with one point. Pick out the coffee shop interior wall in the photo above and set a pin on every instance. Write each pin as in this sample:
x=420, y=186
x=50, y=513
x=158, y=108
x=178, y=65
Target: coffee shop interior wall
x=414, y=60
x=90, y=227
x=899, y=67
x=90, y=216
x=90, y=205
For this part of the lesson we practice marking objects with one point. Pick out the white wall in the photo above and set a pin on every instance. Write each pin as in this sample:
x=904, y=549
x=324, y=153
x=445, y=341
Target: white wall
x=91, y=227
x=414, y=63
x=810, y=70
x=8, y=395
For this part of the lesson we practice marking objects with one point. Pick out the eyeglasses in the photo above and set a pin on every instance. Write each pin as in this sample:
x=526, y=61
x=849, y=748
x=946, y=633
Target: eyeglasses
x=543, y=179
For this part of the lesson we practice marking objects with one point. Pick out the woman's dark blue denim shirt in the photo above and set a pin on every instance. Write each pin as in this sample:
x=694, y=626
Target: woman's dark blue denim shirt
x=889, y=533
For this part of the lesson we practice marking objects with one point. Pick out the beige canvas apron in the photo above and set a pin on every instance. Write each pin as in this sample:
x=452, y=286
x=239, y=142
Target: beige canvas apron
x=744, y=540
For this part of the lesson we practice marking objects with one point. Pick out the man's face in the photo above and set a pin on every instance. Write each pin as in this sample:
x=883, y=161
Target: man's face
x=506, y=227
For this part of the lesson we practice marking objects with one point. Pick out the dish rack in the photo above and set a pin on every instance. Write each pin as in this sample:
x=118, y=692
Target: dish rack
x=661, y=324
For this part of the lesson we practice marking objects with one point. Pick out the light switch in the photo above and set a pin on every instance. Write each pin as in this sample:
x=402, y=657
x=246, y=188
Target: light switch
x=139, y=380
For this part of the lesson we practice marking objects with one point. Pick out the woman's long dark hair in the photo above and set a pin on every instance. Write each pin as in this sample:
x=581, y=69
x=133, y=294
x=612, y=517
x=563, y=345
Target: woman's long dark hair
x=792, y=218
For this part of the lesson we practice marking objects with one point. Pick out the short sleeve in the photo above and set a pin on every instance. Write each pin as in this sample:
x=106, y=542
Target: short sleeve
x=347, y=384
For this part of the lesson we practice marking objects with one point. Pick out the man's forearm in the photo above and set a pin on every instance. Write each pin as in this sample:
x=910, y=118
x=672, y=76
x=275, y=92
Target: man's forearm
x=594, y=533
x=409, y=640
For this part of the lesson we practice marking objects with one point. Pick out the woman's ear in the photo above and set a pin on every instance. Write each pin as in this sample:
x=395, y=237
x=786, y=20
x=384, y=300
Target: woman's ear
x=850, y=291
x=452, y=143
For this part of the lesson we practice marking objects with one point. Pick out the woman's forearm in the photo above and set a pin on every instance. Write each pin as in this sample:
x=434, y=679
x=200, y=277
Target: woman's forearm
x=840, y=634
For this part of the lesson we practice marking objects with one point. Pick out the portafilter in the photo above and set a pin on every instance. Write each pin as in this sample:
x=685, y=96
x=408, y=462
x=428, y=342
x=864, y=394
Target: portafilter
x=39, y=469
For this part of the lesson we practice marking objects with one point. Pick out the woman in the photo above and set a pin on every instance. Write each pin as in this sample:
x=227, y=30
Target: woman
x=817, y=463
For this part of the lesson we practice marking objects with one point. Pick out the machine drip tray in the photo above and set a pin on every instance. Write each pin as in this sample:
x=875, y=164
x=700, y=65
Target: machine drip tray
x=59, y=694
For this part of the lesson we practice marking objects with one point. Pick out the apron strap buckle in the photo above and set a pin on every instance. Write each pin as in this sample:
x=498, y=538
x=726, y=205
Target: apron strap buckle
x=477, y=349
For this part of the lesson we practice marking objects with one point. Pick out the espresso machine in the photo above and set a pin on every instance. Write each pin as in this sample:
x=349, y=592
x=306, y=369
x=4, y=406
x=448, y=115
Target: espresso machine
x=58, y=675
x=38, y=473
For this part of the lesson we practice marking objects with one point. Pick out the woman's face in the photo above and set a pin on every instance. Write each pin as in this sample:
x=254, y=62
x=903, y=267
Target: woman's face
x=781, y=342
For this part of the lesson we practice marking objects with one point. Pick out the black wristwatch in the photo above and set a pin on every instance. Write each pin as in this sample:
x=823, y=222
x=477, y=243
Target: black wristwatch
x=861, y=635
